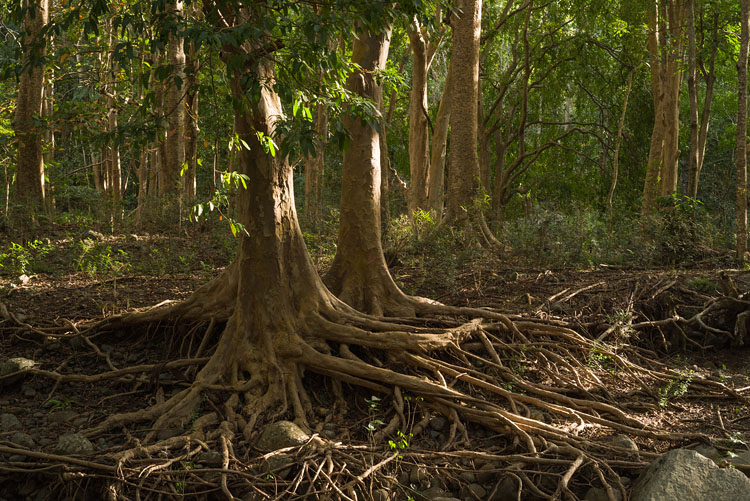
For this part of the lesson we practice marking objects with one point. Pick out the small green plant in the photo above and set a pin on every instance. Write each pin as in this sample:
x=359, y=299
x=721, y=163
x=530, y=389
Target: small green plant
x=94, y=258
x=675, y=388
x=598, y=358
x=60, y=404
x=401, y=443
x=702, y=284
x=373, y=403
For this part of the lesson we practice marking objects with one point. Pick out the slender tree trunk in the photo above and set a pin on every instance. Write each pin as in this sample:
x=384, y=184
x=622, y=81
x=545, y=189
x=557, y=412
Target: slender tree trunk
x=189, y=182
x=174, y=146
x=419, y=146
x=314, y=166
x=673, y=85
x=618, y=141
x=435, y=192
x=359, y=275
x=692, y=84
x=30, y=164
x=741, y=216
x=463, y=173
x=651, y=186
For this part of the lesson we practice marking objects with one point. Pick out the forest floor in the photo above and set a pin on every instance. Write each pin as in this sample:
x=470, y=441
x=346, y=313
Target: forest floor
x=79, y=275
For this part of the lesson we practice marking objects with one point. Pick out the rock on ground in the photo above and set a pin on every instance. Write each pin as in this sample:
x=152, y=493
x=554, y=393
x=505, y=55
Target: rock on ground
x=683, y=474
x=281, y=434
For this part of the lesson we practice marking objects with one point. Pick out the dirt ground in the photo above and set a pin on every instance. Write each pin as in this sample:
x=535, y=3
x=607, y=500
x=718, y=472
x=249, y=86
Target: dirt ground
x=605, y=301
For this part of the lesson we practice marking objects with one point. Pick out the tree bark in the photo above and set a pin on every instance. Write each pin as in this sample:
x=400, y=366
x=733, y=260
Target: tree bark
x=314, y=166
x=174, y=146
x=463, y=173
x=692, y=84
x=189, y=182
x=436, y=189
x=359, y=275
x=665, y=19
x=419, y=133
x=30, y=164
x=741, y=200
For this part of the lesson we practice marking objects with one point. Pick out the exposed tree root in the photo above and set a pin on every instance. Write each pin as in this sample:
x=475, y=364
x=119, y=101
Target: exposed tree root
x=541, y=385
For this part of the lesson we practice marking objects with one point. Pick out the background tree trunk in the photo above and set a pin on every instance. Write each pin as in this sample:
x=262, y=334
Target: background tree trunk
x=741, y=213
x=436, y=189
x=30, y=164
x=314, y=166
x=463, y=173
x=359, y=275
x=174, y=146
x=189, y=183
x=419, y=133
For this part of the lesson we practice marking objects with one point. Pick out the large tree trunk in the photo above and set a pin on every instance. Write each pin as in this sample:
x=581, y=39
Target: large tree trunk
x=463, y=172
x=30, y=164
x=741, y=214
x=359, y=275
x=174, y=146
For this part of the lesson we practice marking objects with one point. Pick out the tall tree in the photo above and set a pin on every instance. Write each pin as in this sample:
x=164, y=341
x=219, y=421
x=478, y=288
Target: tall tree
x=741, y=205
x=174, y=144
x=697, y=68
x=30, y=164
x=423, y=48
x=359, y=275
x=314, y=168
x=665, y=46
x=463, y=172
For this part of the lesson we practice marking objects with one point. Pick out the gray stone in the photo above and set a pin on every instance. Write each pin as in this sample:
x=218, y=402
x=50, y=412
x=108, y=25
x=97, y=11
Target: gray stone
x=434, y=492
x=279, y=465
x=683, y=474
x=211, y=458
x=438, y=423
x=381, y=495
x=280, y=435
x=487, y=473
x=508, y=489
x=739, y=458
x=419, y=476
x=58, y=417
x=9, y=422
x=74, y=443
x=600, y=494
x=23, y=439
x=624, y=442
x=468, y=476
x=13, y=365
x=709, y=451
x=473, y=491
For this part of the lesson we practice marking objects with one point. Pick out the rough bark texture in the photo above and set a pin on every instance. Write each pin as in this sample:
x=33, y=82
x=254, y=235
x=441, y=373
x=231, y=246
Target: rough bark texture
x=174, y=146
x=359, y=275
x=30, y=165
x=463, y=172
x=741, y=213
